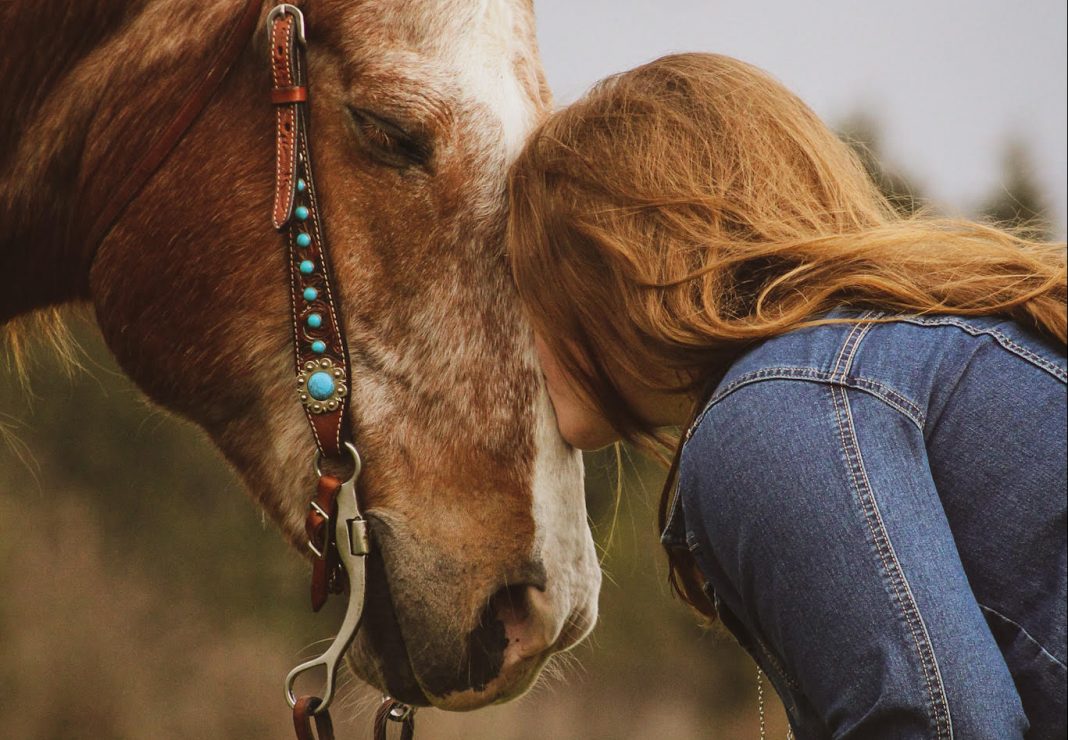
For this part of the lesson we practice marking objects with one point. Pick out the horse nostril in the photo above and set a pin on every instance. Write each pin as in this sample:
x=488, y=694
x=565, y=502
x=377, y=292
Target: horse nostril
x=510, y=605
x=525, y=613
x=516, y=623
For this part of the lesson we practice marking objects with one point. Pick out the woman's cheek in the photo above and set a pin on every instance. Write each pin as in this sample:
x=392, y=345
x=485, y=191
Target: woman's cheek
x=584, y=430
x=579, y=425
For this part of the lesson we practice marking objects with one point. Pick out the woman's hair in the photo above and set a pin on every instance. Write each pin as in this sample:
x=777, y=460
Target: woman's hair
x=687, y=209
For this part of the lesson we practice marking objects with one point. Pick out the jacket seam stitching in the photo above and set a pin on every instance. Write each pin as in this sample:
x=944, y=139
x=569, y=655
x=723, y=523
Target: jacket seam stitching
x=776, y=664
x=1000, y=337
x=1027, y=635
x=901, y=592
x=853, y=342
x=844, y=349
x=890, y=396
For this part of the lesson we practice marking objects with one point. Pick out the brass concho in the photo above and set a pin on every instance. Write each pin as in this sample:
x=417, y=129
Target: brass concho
x=321, y=385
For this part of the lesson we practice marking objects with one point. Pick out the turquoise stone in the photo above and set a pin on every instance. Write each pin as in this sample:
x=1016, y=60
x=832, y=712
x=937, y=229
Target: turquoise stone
x=303, y=240
x=314, y=320
x=310, y=294
x=318, y=347
x=307, y=267
x=320, y=386
x=301, y=185
x=301, y=213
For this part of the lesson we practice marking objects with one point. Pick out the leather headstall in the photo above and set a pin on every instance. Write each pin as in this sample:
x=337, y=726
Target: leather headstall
x=322, y=362
x=337, y=533
x=320, y=355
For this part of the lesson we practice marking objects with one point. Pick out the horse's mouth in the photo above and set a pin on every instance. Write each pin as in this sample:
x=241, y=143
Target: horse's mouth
x=380, y=655
x=460, y=670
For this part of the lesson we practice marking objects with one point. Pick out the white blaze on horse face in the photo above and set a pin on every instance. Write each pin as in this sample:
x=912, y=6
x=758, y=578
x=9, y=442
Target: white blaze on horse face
x=563, y=542
x=485, y=62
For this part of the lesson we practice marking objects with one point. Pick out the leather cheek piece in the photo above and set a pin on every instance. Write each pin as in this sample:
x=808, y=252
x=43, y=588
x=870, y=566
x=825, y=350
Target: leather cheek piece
x=283, y=74
x=324, y=340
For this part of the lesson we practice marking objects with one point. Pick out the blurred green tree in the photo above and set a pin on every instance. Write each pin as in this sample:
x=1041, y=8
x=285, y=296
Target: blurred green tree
x=862, y=133
x=1019, y=202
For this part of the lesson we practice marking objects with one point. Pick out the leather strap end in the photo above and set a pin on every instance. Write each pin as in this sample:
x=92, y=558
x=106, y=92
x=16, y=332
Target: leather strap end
x=285, y=181
x=319, y=591
x=320, y=530
x=285, y=60
x=304, y=712
x=383, y=720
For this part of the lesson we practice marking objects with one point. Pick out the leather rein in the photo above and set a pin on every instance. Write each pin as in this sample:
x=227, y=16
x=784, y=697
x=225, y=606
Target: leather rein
x=338, y=536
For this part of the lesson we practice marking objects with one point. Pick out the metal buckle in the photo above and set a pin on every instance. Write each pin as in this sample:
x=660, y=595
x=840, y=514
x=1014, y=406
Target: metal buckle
x=282, y=9
x=357, y=527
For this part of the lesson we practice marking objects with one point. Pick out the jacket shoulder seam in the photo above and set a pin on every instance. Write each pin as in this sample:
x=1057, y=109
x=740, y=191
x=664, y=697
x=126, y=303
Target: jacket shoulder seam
x=888, y=395
x=1003, y=339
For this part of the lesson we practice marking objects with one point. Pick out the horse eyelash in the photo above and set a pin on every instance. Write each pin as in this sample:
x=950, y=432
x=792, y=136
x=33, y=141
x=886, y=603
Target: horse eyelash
x=393, y=145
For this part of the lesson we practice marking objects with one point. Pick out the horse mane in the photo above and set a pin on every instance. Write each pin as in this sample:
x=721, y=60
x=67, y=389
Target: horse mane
x=88, y=85
x=47, y=39
x=46, y=330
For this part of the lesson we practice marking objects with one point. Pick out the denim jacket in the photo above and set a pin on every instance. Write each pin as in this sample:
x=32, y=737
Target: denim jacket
x=879, y=511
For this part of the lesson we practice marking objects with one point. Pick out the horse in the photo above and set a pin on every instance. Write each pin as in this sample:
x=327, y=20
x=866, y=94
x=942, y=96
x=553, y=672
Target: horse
x=483, y=565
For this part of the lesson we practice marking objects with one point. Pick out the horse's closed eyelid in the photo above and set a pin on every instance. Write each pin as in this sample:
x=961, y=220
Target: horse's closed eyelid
x=389, y=143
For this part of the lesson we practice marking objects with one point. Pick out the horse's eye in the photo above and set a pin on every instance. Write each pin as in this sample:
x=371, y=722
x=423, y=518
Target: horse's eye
x=387, y=142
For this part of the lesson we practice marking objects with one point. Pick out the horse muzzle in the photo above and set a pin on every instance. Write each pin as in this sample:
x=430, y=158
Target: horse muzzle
x=456, y=632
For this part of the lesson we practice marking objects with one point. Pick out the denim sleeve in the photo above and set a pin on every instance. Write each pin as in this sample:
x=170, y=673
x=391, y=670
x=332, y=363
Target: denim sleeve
x=812, y=510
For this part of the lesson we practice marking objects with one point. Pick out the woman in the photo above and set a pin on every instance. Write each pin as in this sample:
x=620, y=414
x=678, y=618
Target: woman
x=871, y=491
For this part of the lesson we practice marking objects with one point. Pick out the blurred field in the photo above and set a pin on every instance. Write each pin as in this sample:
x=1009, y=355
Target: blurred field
x=145, y=597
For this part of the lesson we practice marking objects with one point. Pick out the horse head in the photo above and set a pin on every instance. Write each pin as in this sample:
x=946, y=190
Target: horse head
x=483, y=564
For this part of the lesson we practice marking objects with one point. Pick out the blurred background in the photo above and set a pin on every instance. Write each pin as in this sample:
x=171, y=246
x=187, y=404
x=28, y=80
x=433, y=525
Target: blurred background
x=961, y=94
x=144, y=596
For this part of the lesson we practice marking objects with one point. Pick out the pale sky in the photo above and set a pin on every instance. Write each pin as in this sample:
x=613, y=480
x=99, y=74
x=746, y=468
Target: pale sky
x=949, y=81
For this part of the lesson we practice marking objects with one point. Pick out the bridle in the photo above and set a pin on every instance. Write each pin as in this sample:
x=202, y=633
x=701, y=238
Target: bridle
x=337, y=533
x=338, y=536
